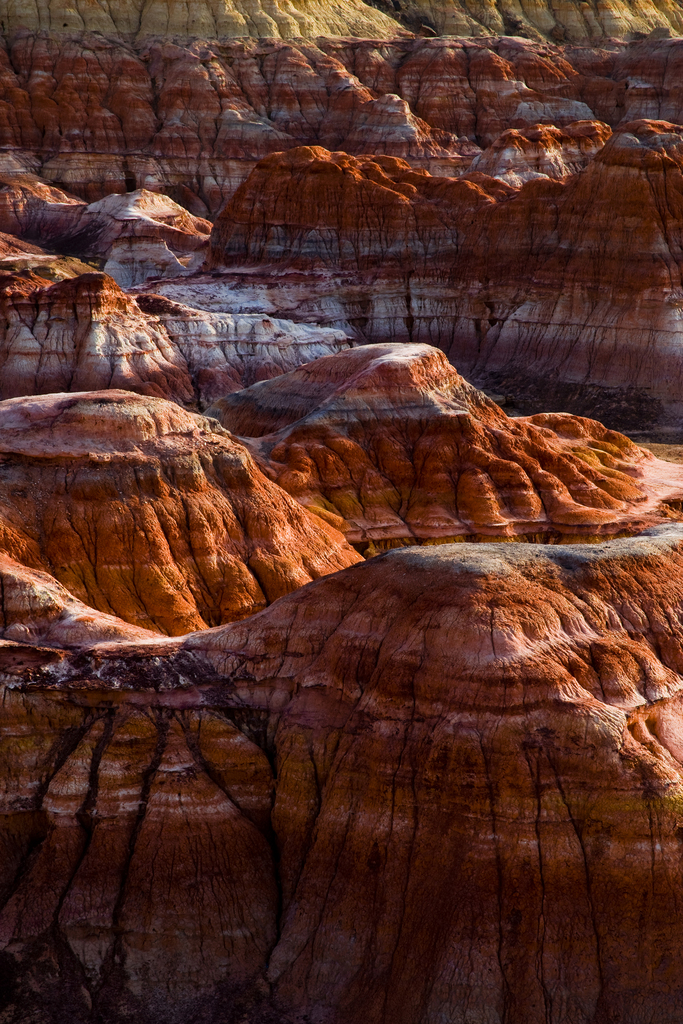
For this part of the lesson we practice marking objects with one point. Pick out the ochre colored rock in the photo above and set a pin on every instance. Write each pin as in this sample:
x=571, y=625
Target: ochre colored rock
x=206, y=19
x=538, y=292
x=146, y=512
x=571, y=20
x=84, y=334
x=393, y=440
x=222, y=19
x=468, y=740
x=36, y=609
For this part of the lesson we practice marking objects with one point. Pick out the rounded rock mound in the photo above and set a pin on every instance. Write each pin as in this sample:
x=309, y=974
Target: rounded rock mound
x=150, y=513
x=392, y=439
x=468, y=740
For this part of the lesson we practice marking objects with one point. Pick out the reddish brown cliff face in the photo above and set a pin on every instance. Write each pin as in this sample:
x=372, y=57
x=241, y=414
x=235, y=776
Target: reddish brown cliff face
x=393, y=440
x=94, y=115
x=148, y=513
x=520, y=155
x=36, y=609
x=475, y=800
x=247, y=776
x=538, y=289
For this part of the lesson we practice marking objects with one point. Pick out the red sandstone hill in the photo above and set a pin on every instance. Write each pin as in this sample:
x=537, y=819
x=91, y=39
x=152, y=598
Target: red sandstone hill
x=447, y=777
x=393, y=440
x=85, y=334
x=539, y=290
x=149, y=513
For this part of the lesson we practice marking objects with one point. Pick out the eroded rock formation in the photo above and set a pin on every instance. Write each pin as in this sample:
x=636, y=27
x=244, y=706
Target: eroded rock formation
x=142, y=234
x=393, y=440
x=470, y=743
x=206, y=19
x=575, y=22
x=541, y=151
x=36, y=609
x=96, y=116
x=85, y=333
x=146, y=512
x=532, y=290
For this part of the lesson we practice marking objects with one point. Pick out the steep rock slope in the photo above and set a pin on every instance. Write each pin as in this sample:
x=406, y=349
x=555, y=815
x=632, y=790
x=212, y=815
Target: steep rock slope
x=149, y=513
x=477, y=801
x=206, y=19
x=541, y=151
x=383, y=19
x=84, y=334
x=36, y=609
x=392, y=439
x=533, y=289
x=574, y=21
x=95, y=116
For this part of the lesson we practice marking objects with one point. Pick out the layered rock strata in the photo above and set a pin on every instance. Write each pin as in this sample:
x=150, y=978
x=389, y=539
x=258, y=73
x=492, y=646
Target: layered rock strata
x=85, y=334
x=574, y=22
x=537, y=291
x=393, y=440
x=206, y=19
x=36, y=609
x=383, y=19
x=541, y=151
x=146, y=512
x=474, y=801
x=141, y=234
x=94, y=116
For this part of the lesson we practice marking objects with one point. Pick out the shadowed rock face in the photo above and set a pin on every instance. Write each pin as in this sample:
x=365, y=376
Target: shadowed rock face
x=85, y=334
x=148, y=513
x=475, y=800
x=392, y=439
x=533, y=291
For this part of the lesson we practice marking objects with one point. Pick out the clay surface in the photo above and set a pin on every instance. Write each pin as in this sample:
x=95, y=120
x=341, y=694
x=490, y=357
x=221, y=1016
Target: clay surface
x=84, y=333
x=93, y=115
x=468, y=742
x=392, y=439
x=537, y=289
x=146, y=512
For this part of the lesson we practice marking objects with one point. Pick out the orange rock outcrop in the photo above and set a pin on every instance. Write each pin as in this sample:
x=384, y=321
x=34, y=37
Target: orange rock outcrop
x=394, y=441
x=146, y=512
x=530, y=291
x=448, y=777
